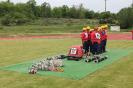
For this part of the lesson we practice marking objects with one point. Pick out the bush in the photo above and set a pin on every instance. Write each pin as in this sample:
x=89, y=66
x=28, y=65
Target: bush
x=6, y=20
x=14, y=19
x=106, y=21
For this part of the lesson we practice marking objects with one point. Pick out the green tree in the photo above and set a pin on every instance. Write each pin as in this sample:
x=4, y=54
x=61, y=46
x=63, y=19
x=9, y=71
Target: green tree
x=6, y=20
x=96, y=15
x=46, y=10
x=14, y=19
x=6, y=8
x=89, y=14
x=81, y=11
x=105, y=15
x=57, y=12
x=73, y=12
x=38, y=11
x=125, y=17
x=65, y=11
x=31, y=8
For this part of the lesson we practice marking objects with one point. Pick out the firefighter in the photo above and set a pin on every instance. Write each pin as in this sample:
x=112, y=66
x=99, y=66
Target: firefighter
x=89, y=38
x=96, y=40
x=91, y=47
x=104, y=39
x=84, y=37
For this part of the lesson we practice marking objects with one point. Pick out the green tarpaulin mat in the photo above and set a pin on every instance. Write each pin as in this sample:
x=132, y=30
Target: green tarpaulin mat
x=74, y=69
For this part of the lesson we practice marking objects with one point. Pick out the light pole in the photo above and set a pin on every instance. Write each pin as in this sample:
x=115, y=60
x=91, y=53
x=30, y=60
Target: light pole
x=105, y=5
x=8, y=1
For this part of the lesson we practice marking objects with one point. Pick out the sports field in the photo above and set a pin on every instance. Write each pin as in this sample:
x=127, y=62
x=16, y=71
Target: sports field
x=14, y=51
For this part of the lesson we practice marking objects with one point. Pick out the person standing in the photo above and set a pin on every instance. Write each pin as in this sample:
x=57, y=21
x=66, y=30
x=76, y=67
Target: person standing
x=96, y=40
x=101, y=34
x=84, y=37
x=89, y=38
x=91, y=45
x=104, y=37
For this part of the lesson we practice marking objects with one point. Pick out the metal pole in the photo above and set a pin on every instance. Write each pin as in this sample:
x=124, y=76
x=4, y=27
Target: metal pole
x=105, y=5
x=8, y=1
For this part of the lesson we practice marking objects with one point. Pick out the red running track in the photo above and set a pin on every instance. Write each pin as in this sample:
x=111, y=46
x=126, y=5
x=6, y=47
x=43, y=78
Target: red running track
x=111, y=36
x=120, y=36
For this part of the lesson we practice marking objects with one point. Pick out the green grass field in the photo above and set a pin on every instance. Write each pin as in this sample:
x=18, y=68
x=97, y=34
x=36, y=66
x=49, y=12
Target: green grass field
x=50, y=25
x=116, y=75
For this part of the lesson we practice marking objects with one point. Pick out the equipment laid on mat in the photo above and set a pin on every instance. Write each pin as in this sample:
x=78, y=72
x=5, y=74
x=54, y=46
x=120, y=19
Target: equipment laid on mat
x=89, y=58
x=72, y=69
x=96, y=58
x=49, y=64
x=55, y=63
x=99, y=58
x=75, y=53
x=32, y=70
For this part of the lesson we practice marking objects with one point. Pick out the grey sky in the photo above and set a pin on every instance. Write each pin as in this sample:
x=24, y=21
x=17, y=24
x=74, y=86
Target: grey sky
x=96, y=5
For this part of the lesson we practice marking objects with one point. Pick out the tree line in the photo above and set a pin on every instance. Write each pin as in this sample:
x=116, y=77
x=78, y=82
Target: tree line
x=125, y=17
x=20, y=13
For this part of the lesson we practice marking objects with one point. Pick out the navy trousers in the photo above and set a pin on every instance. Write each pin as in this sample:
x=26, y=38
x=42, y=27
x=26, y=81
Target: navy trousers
x=95, y=48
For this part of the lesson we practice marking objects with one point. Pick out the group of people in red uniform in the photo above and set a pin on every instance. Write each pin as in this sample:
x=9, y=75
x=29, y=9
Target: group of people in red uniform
x=94, y=40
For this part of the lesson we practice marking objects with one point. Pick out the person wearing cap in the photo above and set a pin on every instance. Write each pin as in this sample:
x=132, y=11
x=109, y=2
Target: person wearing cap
x=105, y=37
x=84, y=37
x=89, y=38
x=96, y=40
x=91, y=46
x=102, y=37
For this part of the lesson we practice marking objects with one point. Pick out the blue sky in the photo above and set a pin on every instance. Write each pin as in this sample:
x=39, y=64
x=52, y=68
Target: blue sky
x=96, y=5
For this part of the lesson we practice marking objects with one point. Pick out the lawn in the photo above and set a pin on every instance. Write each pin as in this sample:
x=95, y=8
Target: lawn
x=50, y=25
x=116, y=75
x=31, y=30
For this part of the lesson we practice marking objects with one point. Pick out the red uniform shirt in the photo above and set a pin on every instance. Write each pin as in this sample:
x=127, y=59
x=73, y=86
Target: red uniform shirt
x=89, y=35
x=95, y=37
x=84, y=36
x=103, y=35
